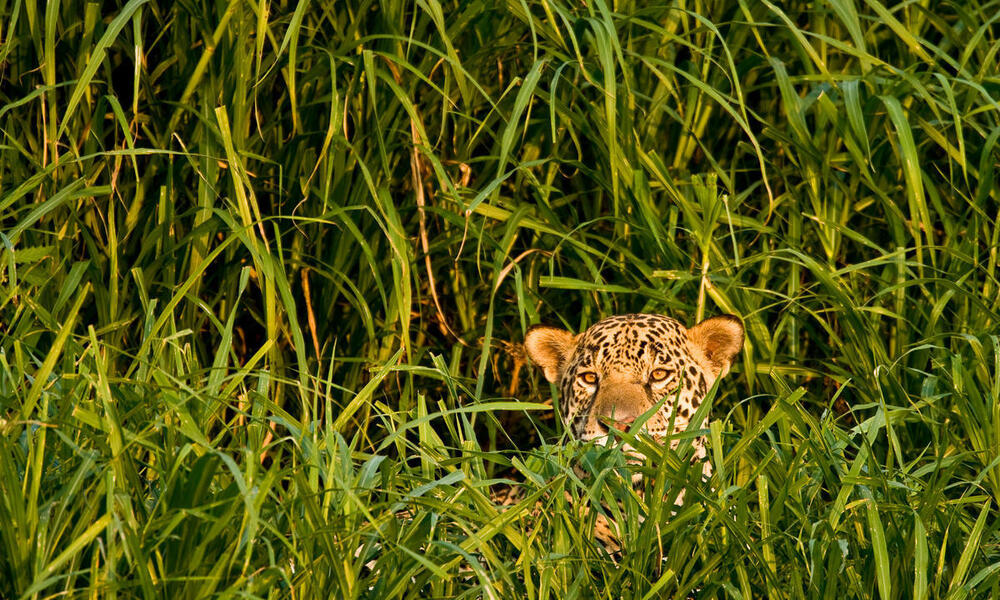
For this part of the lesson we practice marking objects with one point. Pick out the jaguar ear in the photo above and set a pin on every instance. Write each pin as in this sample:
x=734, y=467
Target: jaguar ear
x=717, y=340
x=549, y=348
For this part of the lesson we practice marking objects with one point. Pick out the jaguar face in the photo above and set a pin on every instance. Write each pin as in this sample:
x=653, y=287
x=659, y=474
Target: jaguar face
x=622, y=366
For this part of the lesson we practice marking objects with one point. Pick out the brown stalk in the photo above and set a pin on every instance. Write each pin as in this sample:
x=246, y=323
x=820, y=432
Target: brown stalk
x=416, y=173
x=309, y=310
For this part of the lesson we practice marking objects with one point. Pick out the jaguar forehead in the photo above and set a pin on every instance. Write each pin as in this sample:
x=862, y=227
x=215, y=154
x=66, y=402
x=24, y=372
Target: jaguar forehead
x=631, y=341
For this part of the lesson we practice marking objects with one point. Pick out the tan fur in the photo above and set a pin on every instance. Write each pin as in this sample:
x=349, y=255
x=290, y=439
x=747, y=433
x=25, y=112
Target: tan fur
x=548, y=347
x=715, y=342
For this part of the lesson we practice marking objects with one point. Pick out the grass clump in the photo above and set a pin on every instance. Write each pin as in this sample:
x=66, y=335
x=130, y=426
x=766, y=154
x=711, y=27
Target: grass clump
x=264, y=266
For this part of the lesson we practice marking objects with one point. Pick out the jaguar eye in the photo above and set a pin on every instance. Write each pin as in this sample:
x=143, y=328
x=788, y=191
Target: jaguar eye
x=659, y=375
x=589, y=378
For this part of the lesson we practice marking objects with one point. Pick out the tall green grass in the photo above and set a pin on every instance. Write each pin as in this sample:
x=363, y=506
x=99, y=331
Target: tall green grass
x=264, y=266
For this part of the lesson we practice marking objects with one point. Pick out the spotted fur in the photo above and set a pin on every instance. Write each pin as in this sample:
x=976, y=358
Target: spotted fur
x=622, y=366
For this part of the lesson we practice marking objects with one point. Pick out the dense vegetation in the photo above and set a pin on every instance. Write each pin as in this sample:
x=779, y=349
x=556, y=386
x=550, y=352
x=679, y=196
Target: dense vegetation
x=264, y=267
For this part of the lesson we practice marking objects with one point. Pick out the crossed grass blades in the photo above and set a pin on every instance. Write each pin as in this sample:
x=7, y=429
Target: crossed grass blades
x=263, y=264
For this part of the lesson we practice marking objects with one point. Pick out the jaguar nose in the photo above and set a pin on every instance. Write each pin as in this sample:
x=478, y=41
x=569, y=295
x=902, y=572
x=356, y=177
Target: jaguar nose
x=606, y=423
x=620, y=405
x=622, y=422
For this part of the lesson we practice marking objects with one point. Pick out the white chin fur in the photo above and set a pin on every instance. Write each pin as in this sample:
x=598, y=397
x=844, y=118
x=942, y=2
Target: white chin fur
x=609, y=440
